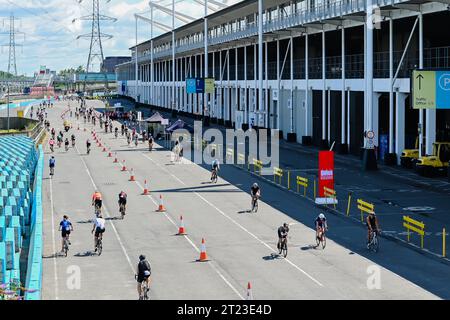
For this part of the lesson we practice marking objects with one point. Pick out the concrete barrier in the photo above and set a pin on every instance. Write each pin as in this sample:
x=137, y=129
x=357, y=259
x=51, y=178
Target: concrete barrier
x=34, y=270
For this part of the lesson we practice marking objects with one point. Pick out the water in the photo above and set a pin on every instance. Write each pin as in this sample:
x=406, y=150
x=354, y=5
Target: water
x=23, y=103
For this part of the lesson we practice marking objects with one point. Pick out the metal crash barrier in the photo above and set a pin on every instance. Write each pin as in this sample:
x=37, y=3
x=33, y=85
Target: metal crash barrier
x=330, y=193
x=365, y=207
x=277, y=172
x=302, y=182
x=257, y=165
x=416, y=226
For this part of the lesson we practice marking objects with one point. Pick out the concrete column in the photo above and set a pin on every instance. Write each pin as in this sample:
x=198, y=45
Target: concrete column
x=219, y=112
x=399, y=123
x=194, y=109
x=277, y=111
x=375, y=117
x=245, y=86
x=391, y=91
x=343, y=89
x=226, y=111
x=324, y=123
x=213, y=96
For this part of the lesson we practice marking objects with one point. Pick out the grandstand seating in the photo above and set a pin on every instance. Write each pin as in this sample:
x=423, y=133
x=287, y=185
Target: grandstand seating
x=18, y=159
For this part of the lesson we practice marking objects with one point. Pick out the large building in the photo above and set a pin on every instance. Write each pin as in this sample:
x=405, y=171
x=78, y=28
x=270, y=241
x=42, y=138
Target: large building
x=110, y=63
x=327, y=75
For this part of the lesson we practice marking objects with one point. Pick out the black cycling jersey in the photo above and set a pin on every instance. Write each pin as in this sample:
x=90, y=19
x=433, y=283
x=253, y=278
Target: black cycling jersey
x=372, y=222
x=254, y=190
x=282, y=231
x=320, y=222
x=143, y=266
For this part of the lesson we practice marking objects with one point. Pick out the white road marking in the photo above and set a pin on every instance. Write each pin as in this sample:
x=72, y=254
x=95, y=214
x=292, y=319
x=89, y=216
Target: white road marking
x=237, y=223
x=108, y=215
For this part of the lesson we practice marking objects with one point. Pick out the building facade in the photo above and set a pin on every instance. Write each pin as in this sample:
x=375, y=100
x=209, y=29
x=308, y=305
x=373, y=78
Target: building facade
x=110, y=63
x=327, y=74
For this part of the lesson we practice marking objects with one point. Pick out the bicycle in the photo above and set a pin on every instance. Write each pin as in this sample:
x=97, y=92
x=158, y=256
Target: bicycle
x=122, y=210
x=144, y=289
x=374, y=244
x=99, y=245
x=254, y=204
x=321, y=239
x=283, y=247
x=52, y=171
x=214, y=176
x=66, y=246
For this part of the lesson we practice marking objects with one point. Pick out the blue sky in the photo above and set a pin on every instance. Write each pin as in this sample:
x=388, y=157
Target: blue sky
x=50, y=33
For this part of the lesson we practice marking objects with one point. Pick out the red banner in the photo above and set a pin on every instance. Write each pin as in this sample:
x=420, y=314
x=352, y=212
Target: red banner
x=326, y=171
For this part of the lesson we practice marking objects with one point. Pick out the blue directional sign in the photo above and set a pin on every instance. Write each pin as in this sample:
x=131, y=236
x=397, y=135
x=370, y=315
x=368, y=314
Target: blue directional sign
x=443, y=89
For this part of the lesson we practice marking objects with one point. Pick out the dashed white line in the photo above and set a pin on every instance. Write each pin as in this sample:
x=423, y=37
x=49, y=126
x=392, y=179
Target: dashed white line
x=53, y=240
x=237, y=223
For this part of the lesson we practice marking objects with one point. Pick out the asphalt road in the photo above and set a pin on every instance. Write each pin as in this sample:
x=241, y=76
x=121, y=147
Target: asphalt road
x=241, y=246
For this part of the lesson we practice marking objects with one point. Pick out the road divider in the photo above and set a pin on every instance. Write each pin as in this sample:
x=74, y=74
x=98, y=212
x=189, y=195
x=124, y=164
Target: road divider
x=277, y=172
x=365, y=207
x=330, y=194
x=301, y=181
x=415, y=226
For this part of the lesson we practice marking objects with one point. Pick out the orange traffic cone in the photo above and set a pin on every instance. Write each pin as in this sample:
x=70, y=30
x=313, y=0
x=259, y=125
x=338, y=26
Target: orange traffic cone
x=123, y=166
x=161, y=205
x=115, y=159
x=145, y=189
x=132, y=175
x=203, y=256
x=249, y=292
x=181, y=230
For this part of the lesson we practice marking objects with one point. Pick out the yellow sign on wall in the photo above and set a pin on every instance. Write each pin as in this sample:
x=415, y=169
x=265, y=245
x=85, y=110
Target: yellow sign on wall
x=20, y=113
x=209, y=85
x=424, y=89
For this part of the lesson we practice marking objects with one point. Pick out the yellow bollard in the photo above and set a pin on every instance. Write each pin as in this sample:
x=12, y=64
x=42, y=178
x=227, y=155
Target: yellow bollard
x=349, y=203
x=289, y=180
x=443, y=242
x=314, y=188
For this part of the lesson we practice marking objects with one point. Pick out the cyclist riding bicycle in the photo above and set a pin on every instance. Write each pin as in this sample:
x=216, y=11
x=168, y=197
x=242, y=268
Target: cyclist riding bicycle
x=51, y=164
x=143, y=273
x=73, y=140
x=122, y=129
x=122, y=198
x=66, y=143
x=51, y=143
x=255, y=191
x=372, y=225
x=321, y=224
x=99, y=228
x=215, y=168
x=116, y=132
x=88, y=145
x=65, y=226
x=282, y=234
x=97, y=200
x=150, y=143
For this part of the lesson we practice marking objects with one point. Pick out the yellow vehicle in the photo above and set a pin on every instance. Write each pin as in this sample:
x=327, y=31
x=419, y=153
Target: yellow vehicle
x=438, y=162
x=410, y=156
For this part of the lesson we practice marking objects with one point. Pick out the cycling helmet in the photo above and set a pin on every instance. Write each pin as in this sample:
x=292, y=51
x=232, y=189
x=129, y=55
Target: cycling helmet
x=285, y=225
x=372, y=213
x=141, y=257
x=322, y=216
x=255, y=185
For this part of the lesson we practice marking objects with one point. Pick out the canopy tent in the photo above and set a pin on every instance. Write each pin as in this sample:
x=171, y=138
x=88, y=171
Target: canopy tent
x=156, y=118
x=179, y=124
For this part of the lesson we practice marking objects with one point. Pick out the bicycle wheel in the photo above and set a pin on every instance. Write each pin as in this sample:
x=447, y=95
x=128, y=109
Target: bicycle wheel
x=317, y=241
x=285, y=249
x=66, y=248
x=375, y=243
x=99, y=247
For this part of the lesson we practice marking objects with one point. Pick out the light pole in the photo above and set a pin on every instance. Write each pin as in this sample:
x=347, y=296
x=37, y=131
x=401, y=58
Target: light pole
x=7, y=102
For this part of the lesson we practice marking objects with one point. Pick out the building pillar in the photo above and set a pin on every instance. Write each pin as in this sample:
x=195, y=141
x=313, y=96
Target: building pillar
x=324, y=141
x=400, y=99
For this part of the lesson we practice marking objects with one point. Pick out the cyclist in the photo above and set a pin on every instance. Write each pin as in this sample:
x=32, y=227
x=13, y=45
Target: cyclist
x=97, y=200
x=255, y=192
x=65, y=226
x=372, y=226
x=122, y=199
x=282, y=234
x=73, y=140
x=128, y=138
x=116, y=132
x=88, y=146
x=53, y=133
x=99, y=228
x=150, y=143
x=321, y=224
x=66, y=143
x=144, y=272
x=136, y=137
x=51, y=164
x=51, y=142
x=123, y=129
x=215, y=168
